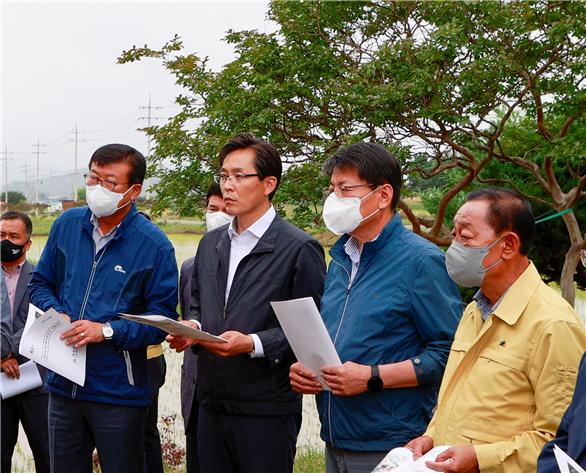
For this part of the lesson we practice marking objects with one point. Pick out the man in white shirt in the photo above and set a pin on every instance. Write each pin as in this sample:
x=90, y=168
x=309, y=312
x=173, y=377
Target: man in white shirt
x=249, y=417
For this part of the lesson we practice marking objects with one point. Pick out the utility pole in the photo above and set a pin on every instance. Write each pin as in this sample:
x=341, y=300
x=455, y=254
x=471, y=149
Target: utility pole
x=148, y=118
x=38, y=180
x=76, y=139
x=25, y=168
x=6, y=158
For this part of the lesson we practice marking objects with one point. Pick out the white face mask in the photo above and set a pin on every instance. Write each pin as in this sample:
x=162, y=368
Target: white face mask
x=342, y=214
x=217, y=219
x=103, y=202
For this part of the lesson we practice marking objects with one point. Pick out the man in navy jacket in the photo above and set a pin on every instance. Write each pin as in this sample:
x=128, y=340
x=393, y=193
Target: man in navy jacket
x=98, y=262
x=571, y=434
x=391, y=310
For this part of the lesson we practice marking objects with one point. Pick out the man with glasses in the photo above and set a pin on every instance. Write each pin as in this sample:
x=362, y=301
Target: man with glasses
x=99, y=261
x=249, y=417
x=390, y=309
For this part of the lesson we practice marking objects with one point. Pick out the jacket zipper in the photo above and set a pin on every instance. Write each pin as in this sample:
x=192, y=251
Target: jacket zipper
x=86, y=297
x=335, y=339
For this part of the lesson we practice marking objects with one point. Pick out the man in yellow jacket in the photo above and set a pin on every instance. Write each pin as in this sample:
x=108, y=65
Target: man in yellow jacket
x=512, y=367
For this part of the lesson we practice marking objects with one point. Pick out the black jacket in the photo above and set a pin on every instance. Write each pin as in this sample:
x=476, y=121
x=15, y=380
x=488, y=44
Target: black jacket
x=285, y=264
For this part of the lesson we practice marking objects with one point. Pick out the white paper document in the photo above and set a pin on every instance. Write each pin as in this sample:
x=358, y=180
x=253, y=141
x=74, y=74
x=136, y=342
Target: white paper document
x=41, y=343
x=307, y=334
x=401, y=460
x=172, y=326
x=29, y=379
x=565, y=462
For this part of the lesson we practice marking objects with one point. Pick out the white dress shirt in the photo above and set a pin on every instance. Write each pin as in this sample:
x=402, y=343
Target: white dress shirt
x=240, y=246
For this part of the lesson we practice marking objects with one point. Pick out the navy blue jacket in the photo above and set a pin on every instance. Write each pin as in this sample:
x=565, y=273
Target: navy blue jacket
x=135, y=273
x=571, y=434
x=401, y=305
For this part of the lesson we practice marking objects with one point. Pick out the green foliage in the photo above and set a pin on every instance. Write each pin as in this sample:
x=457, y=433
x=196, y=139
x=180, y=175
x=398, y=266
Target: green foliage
x=461, y=88
x=15, y=197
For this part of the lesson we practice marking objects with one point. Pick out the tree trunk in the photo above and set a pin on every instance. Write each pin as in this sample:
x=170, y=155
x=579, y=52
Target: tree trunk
x=572, y=258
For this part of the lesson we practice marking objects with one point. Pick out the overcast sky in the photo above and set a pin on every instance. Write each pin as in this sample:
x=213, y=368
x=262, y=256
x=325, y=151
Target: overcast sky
x=59, y=67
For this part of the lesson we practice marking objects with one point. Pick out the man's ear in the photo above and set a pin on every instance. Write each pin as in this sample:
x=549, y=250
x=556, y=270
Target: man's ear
x=270, y=184
x=135, y=192
x=386, y=196
x=512, y=245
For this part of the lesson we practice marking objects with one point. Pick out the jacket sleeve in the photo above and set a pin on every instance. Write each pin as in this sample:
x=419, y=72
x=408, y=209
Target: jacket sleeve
x=4, y=318
x=308, y=281
x=43, y=286
x=436, y=308
x=160, y=298
x=552, y=373
x=547, y=462
x=185, y=286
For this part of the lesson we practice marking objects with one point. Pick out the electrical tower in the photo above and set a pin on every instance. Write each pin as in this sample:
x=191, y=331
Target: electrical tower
x=6, y=158
x=38, y=152
x=75, y=139
x=148, y=118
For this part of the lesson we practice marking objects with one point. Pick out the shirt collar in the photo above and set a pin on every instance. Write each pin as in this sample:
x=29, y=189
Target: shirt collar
x=14, y=270
x=96, y=223
x=258, y=228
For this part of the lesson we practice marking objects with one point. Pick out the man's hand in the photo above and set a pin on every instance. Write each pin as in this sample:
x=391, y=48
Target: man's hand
x=238, y=343
x=420, y=446
x=10, y=366
x=303, y=380
x=180, y=343
x=83, y=332
x=460, y=459
x=347, y=380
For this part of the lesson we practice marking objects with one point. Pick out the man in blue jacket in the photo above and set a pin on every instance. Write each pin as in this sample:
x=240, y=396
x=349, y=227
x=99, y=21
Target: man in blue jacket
x=391, y=310
x=99, y=261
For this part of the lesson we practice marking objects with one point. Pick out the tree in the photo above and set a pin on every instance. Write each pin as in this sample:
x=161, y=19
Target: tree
x=15, y=197
x=447, y=86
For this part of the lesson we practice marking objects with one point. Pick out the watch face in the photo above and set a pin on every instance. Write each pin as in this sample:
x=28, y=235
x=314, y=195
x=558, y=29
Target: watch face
x=107, y=331
x=375, y=384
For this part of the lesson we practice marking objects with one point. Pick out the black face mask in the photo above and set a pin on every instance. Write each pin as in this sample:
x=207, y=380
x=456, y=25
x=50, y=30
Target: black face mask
x=11, y=251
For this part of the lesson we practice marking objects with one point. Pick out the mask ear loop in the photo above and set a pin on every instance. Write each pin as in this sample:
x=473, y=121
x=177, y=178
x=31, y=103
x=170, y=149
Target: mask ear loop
x=498, y=261
x=364, y=197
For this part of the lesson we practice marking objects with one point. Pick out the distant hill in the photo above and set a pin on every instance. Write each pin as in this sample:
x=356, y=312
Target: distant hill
x=57, y=187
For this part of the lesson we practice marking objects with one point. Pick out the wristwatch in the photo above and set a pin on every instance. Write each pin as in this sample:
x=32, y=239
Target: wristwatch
x=375, y=383
x=107, y=331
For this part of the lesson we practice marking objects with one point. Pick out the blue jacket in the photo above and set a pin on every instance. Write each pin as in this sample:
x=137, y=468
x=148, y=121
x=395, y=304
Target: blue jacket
x=134, y=273
x=401, y=305
x=571, y=434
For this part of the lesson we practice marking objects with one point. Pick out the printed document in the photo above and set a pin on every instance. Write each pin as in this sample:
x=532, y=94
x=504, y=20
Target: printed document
x=307, y=334
x=41, y=343
x=29, y=379
x=565, y=462
x=401, y=460
x=172, y=326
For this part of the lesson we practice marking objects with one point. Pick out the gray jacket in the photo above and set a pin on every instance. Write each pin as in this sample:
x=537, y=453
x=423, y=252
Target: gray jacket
x=189, y=367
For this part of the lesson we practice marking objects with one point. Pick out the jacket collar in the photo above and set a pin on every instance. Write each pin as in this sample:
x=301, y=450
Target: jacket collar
x=391, y=230
x=517, y=297
x=22, y=285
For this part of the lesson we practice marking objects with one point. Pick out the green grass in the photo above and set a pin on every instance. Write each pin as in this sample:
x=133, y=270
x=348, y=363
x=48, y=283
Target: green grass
x=310, y=460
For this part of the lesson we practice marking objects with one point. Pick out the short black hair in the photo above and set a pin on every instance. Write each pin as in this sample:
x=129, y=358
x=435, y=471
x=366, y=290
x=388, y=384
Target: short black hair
x=267, y=161
x=508, y=210
x=24, y=218
x=117, y=153
x=373, y=163
x=213, y=190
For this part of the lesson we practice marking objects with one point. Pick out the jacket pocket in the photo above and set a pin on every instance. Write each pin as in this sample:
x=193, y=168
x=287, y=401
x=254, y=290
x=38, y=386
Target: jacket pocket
x=477, y=435
x=128, y=367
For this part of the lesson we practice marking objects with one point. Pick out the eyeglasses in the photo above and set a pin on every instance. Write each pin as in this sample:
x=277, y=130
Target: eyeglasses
x=92, y=180
x=343, y=189
x=237, y=178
